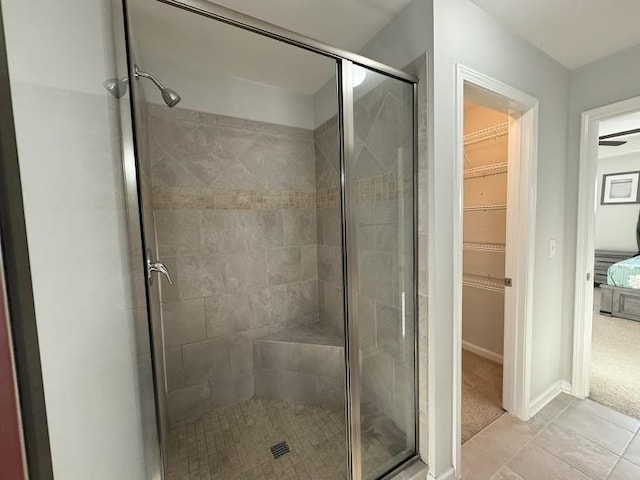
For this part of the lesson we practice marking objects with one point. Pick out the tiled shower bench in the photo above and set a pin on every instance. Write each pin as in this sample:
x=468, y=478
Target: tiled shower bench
x=300, y=365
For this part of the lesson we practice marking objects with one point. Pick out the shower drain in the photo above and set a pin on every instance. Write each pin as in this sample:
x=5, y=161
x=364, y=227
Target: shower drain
x=279, y=449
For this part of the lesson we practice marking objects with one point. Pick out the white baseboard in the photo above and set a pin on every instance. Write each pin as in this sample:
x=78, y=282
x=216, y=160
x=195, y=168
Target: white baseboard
x=548, y=395
x=448, y=475
x=566, y=387
x=482, y=352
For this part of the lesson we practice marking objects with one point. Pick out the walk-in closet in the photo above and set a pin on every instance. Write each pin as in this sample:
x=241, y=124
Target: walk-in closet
x=486, y=133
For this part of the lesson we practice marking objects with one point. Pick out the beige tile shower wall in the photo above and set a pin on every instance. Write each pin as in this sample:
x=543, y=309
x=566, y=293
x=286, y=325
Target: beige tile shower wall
x=383, y=207
x=329, y=234
x=236, y=225
x=484, y=235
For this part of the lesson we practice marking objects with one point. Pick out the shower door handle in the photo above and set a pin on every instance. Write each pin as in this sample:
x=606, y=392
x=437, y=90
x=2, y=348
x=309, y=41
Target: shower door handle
x=157, y=267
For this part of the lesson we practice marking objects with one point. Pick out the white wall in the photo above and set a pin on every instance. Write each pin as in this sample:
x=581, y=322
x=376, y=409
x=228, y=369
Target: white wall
x=616, y=224
x=70, y=159
x=463, y=33
x=226, y=95
x=606, y=81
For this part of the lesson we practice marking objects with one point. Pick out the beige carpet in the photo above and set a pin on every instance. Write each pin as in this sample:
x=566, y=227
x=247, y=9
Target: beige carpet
x=615, y=362
x=481, y=394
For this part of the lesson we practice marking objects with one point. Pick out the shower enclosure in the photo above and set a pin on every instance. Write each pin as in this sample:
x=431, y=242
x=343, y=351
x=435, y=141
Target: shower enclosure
x=278, y=205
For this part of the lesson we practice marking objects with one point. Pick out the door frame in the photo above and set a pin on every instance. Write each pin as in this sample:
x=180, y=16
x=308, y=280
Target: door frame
x=585, y=244
x=521, y=223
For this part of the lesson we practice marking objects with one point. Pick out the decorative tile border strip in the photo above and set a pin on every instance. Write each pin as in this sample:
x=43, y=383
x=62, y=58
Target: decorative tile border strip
x=379, y=188
x=174, y=198
x=368, y=190
x=383, y=187
x=328, y=198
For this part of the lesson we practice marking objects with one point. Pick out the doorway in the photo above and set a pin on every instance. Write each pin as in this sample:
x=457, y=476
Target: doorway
x=277, y=197
x=607, y=320
x=499, y=251
x=486, y=155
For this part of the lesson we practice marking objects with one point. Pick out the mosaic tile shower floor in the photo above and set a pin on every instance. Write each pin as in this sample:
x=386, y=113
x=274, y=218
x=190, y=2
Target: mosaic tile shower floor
x=234, y=443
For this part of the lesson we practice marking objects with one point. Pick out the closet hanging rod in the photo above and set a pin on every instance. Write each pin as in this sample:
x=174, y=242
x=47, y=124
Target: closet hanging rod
x=485, y=208
x=490, y=133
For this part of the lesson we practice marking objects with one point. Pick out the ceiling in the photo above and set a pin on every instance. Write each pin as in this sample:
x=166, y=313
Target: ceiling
x=621, y=123
x=331, y=21
x=213, y=47
x=574, y=32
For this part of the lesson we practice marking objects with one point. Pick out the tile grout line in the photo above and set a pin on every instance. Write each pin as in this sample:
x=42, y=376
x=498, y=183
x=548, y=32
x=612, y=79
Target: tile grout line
x=595, y=442
x=613, y=468
x=595, y=414
x=528, y=443
x=573, y=466
x=619, y=457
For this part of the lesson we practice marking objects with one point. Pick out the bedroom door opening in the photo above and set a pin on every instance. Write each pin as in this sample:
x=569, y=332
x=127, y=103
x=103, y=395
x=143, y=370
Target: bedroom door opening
x=497, y=157
x=607, y=300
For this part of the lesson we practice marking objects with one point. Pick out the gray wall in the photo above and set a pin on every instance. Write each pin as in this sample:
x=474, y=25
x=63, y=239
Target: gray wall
x=463, y=33
x=606, y=81
x=95, y=369
x=235, y=221
x=616, y=224
x=206, y=91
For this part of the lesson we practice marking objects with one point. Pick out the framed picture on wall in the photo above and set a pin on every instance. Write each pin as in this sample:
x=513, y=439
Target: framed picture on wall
x=620, y=188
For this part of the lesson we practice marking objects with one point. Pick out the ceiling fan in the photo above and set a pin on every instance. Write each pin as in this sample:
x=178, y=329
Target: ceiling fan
x=604, y=142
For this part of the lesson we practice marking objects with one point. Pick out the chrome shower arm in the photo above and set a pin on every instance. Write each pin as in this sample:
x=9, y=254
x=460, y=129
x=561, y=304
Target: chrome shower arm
x=140, y=73
x=170, y=97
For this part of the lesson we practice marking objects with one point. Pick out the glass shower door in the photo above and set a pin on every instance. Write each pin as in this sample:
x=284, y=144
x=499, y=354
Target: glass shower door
x=380, y=233
x=146, y=288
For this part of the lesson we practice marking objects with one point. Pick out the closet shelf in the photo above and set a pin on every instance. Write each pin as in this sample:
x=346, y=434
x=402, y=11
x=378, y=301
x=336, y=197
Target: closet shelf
x=491, y=133
x=484, y=247
x=485, y=208
x=484, y=283
x=497, y=169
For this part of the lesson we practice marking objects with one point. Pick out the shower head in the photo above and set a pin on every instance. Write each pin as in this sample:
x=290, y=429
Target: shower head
x=170, y=97
x=116, y=86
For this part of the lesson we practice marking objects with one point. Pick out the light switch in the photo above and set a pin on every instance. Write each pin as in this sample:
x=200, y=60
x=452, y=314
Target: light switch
x=552, y=248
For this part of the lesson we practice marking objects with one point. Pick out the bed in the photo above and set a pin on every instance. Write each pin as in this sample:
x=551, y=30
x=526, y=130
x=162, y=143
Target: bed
x=621, y=288
x=621, y=293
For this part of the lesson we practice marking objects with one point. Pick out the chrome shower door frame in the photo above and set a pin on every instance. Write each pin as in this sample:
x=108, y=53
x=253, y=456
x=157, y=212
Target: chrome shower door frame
x=345, y=61
x=349, y=264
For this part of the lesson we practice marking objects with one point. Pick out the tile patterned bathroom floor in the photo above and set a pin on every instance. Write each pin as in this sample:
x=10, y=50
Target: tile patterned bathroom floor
x=569, y=439
x=234, y=444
